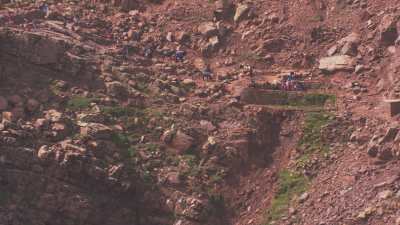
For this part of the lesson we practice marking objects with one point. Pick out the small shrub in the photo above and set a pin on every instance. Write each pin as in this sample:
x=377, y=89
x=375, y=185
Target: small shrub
x=132, y=151
x=146, y=176
x=311, y=141
x=79, y=103
x=120, y=139
x=192, y=163
x=313, y=99
x=290, y=184
x=120, y=111
x=152, y=147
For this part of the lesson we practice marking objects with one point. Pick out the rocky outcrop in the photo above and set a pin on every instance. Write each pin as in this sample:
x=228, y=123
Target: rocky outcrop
x=177, y=141
x=241, y=12
x=388, y=32
x=208, y=29
x=337, y=63
x=56, y=52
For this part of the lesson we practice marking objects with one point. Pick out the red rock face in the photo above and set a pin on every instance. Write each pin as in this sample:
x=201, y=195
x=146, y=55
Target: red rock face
x=102, y=124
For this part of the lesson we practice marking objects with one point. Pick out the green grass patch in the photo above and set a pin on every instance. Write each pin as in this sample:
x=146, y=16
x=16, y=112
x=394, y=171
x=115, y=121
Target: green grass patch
x=120, y=111
x=311, y=99
x=79, y=103
x=311, y=142
x=290, y=182
x=295, y=100
x=290, y=185
x=121, y=140
x=192, y=169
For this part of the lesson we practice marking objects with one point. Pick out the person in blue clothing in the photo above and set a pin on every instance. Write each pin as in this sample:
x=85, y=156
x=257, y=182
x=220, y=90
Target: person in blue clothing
x=291, y=76
x=44, y=8
x=180, y=55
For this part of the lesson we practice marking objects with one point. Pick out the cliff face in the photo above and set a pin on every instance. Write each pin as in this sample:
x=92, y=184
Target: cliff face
x=108, y=115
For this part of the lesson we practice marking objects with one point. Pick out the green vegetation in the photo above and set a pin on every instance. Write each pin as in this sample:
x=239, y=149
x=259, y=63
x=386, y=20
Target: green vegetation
x=193, y=168
x=317, y=18
x=294, y=100
x=216, y=177
x=312, y=99
x=79, y=103
x=120, y=139
x=311, y=141
x=152, y=147
x=290, y=185
x=120, y=111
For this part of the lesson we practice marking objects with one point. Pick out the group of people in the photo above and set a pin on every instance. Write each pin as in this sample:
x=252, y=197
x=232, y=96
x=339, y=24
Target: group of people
x=291, y=83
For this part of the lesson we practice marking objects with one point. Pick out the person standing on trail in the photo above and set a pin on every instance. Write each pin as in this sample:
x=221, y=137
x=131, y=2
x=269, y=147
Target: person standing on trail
x=207, y=75
x=249, y=71
x=291, y=76
x=290, y=81
x=284, y=83
x=44, y=8
x=179, y=55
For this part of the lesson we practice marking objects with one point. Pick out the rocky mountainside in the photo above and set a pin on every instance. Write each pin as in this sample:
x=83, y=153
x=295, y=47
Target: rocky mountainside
x=104, y=122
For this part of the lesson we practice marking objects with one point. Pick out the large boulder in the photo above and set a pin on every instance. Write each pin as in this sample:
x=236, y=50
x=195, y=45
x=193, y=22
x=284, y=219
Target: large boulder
x=34, y=47
x=210, y=46
x=388, y=30
x=117, y=89
x=178, y=142
x=241, y=11
x=191, y=208
x=349, y=44
x=222, y=5
x=208, y=29
x=222, y=9
x=96, y=131
x=337, y=63
x=53, y=115
x=273, y=45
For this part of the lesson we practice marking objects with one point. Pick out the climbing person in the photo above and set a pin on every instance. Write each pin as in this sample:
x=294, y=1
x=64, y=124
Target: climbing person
x=291, y=76
x=290, y=82
x=207, y=74
x=44, y=8
x=179, y=55
x=283, y=83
